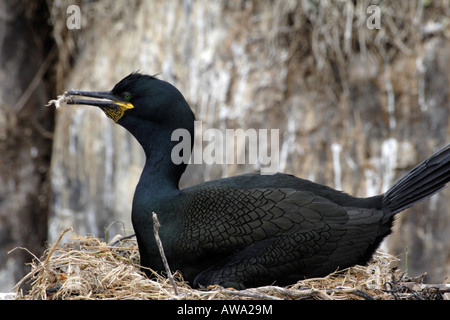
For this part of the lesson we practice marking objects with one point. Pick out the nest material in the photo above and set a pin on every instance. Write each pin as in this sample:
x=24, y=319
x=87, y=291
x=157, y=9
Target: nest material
x=87, y=268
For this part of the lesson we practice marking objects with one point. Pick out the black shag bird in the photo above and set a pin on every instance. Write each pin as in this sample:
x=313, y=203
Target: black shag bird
x=253, y=229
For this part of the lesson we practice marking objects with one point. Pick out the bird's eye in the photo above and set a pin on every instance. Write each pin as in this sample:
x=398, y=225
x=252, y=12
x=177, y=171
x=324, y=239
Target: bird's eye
x=127, y=96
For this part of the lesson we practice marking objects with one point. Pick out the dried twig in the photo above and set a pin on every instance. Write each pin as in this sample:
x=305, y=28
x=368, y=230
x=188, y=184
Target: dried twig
x=120, y=238
x=56, y=244
x=156, y=227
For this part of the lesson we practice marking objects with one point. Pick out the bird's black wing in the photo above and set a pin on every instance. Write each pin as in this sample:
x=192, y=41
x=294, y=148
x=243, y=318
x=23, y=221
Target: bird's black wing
x=247, y=236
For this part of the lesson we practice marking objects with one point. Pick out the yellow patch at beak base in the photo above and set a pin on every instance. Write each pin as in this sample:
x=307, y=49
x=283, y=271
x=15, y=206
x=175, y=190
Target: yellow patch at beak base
x=115, y=113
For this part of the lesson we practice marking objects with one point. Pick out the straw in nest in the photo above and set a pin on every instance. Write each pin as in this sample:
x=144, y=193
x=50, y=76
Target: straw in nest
x=87, y=268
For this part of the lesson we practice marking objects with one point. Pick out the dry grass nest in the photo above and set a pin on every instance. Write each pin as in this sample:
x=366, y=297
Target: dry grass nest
x=87, y=268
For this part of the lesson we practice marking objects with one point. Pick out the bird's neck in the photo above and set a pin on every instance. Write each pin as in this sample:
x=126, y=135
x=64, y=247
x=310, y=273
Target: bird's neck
x=161, y=175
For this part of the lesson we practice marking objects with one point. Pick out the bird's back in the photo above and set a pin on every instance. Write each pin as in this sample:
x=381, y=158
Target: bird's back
x=251, y=229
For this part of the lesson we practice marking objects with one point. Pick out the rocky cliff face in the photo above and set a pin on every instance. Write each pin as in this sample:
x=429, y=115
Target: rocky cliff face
x=356, y=104
x=25, y=135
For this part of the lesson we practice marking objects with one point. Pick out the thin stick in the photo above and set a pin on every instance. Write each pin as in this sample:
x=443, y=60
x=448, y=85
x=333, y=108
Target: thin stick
x=119, y=238
x=56, y=244
x=156, y=226
x=249, y=293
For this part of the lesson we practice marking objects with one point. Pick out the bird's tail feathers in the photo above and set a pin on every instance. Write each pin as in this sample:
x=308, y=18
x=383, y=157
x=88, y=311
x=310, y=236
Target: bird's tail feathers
x=424, y=180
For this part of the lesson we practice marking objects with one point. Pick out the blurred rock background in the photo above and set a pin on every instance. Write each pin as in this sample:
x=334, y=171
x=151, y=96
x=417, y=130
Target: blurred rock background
x=359, y=91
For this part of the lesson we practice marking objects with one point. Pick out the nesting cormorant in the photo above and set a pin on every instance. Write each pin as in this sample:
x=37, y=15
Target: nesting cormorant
x=252, y=229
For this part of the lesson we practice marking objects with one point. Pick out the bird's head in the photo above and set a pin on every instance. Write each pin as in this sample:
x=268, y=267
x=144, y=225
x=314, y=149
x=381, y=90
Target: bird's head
x=141, y=102
x=152, y=110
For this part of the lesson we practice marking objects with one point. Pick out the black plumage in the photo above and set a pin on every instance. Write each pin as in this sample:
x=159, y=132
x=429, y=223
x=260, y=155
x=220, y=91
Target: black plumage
x=252, y=229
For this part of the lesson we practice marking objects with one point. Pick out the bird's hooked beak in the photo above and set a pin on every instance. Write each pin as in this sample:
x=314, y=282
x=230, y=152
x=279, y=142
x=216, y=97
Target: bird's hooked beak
x=113, y=106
